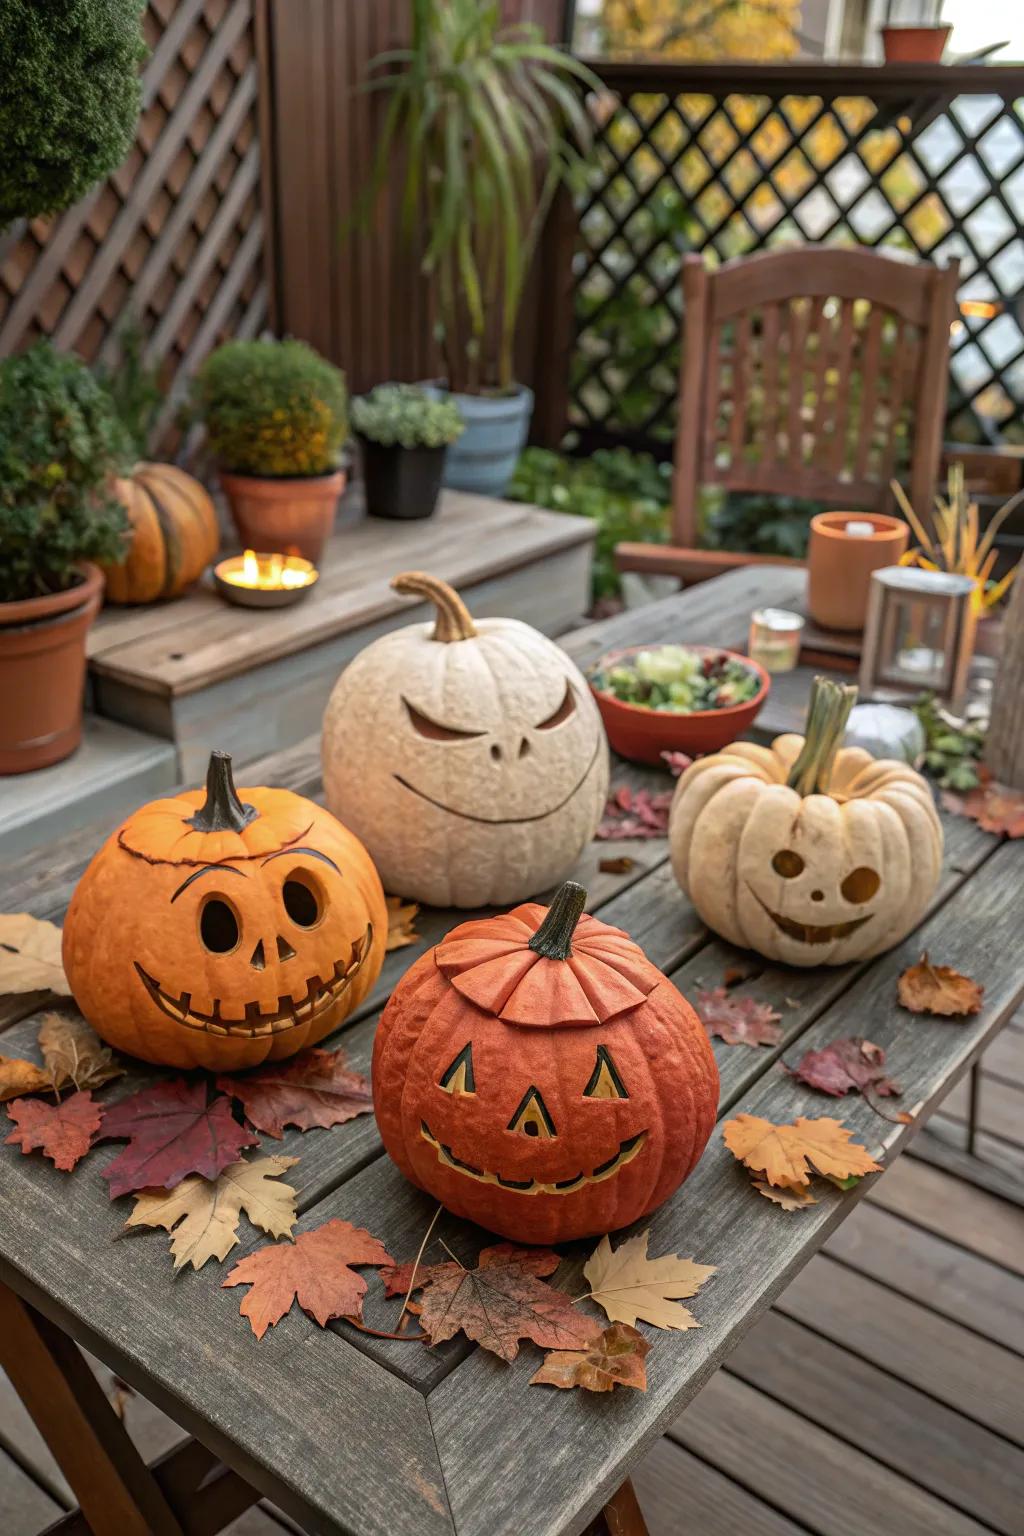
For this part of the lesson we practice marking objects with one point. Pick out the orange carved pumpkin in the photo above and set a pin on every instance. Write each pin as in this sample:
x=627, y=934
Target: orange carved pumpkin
x=224, y=931
x=538, y=1075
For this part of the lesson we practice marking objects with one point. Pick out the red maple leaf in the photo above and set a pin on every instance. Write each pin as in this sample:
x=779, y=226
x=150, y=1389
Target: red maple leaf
x=635, y=813
x=738, y=1020
x=63, y=1132
x=850, y=1065
x=992, y=806
x=314, y=1270
x=314, y=1088
x=171, y=1132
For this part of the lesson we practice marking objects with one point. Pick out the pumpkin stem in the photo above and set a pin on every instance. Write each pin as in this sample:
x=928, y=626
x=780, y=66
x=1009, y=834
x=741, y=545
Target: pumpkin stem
x=827, y=714
x=454, y=621
x=553, y=938
x=222, y=811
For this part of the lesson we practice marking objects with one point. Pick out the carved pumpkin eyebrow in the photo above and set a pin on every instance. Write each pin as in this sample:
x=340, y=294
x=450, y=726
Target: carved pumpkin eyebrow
x=225, y=869
x=564, y=710
x=314, y=853
x=434, y=731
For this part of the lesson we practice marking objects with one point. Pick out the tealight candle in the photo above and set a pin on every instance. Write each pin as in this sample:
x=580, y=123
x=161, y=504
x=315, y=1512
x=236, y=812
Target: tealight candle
x=774, y=641
x=255, y=580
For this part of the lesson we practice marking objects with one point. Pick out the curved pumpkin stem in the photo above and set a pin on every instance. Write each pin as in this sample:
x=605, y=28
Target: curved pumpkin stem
x=454, y=621
x=222, y=811
x=827, y=714
x=553, y=938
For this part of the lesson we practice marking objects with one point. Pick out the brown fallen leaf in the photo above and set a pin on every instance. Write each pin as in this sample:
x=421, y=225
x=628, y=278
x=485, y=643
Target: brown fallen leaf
x=616, y=1359
x=203, y=1215
x=627, y=1285
x=314, y=1270
x=737, y=1020
x=401, y=917
x=63, y=1132
x=315, y=1088
x=635, y=813
x=992, y=806
x=927, y=988
x=789, y=1199
x=74, y=1054
x=785, y=1154
x=620, y=866
x=30, y=959
x=676, y=762
x=850, y=1065
x=18, y=1077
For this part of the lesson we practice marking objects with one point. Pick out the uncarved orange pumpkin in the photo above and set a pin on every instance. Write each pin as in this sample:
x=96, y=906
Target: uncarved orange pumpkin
x=173, y=534
x=538, y=1075
x=224, y=929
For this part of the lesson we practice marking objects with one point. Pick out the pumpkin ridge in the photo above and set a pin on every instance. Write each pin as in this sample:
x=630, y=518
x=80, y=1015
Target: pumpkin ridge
x=172, y=544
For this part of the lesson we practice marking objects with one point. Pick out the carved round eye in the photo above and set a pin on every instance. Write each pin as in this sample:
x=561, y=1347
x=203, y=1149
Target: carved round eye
x=788, y=864
x=301, y=899
x=218, y=927
x=861, y=884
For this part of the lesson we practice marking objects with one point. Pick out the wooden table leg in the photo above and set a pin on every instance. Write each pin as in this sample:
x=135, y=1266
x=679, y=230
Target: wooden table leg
x=621, y=1516
x=113, y=1485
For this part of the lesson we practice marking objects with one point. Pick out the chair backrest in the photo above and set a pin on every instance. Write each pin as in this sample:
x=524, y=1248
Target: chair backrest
x=812, y=372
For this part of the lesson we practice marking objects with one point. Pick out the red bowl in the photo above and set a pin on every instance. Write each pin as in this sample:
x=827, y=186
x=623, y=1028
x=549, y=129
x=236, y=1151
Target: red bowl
x=644, y=734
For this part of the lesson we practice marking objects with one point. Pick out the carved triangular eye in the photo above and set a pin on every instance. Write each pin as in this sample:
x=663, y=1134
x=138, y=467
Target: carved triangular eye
x=532, y=1118
x=605, y=1082
x=458, y=1078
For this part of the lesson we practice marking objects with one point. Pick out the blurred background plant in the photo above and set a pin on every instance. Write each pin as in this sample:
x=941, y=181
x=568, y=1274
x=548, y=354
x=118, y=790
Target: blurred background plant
x=405, y=416
x=272, y=408
x=955, y=542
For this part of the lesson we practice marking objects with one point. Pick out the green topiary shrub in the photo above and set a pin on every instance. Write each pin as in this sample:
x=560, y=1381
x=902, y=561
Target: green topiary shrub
x=60, y=443
x=272, y=408
x=402, y=415
x=69, y=99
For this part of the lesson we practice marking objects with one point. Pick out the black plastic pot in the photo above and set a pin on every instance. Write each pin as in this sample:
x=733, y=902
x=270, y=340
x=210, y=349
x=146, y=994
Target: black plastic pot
x=401, y=482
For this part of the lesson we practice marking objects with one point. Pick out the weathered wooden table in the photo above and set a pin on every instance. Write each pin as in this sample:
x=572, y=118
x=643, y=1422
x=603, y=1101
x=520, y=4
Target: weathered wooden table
x=350, y=1433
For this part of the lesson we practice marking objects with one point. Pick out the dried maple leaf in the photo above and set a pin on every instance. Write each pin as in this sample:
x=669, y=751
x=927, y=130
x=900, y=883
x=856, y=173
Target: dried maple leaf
x=927, y=988
x=676, y=762
x=171, y=1132
x=635, y=813
x=401, y=917
x=500, y=1302
x=738, y=1020
x=313, y=1088
x=313, y=1270
x=627, y=1285
x=74, y=1054
x=30, y=959
x=785, y=1154
x=620, y=866
x=616, y=1359
x=789, y=1199
x=63, y=1132
x=203, y=1215
x=992, y=806
x=848, y=1065
x=18, y=1077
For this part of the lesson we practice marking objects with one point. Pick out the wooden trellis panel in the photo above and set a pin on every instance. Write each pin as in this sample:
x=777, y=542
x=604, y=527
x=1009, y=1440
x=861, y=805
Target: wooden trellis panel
x=179, y=233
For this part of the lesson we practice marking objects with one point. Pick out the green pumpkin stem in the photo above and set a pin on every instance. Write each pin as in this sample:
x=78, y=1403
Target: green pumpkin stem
x=553, y=938
x=827, y=714
x=222, y=811
x=454, y=620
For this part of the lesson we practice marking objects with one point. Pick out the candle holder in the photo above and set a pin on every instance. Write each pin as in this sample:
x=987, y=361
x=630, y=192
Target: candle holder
x=919, y=635
x=253, y=580
x=774, y=639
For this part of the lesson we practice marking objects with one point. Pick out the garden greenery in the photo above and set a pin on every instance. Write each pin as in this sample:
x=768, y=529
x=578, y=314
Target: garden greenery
x=272, y=408
x=402, y=415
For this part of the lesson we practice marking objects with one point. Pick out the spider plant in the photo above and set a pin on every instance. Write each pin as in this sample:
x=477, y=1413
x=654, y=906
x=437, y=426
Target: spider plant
x=955, y=543
x=490, y=121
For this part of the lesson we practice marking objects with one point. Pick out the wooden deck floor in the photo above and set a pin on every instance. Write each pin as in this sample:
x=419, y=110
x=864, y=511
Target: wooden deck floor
x=882, y=1396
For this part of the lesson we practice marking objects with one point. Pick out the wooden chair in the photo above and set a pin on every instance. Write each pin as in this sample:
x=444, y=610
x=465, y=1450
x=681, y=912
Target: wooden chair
x=804, y=371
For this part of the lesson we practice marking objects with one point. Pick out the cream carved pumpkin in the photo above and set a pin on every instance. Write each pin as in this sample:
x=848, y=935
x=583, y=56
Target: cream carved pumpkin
x=808, y=854
x=468, y=756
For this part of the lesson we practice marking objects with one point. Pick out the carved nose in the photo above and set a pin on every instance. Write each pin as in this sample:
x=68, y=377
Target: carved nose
x=284, y=949
x=524, y=747
x=817, y=895
x=496, y=753
x=258, y=960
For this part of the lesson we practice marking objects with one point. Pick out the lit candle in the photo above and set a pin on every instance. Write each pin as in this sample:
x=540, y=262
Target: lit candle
x=264, y=580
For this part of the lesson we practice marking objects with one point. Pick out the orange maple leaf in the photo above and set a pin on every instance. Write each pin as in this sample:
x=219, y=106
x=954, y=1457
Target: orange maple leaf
x=784, y=1155
x=63, y=1132
x=992, y=806
x=927, y=988
x=314, y=1270
x=616, y=1359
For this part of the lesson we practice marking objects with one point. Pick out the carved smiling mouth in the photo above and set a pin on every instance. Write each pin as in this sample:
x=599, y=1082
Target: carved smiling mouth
x=504, y=821
x=289, y=1014
x=810, y=933
x=446, y=1157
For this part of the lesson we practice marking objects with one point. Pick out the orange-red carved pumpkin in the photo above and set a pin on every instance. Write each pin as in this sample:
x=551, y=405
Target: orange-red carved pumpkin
x=224, y=931
x=538, y=1075
x=174, y=534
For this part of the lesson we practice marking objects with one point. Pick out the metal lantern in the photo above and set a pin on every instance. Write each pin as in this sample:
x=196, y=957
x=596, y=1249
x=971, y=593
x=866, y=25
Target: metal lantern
x=919, y=635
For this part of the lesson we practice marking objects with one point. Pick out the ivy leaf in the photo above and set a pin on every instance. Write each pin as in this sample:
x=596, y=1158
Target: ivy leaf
x=784, y=1155
x=737, y=1020
x=616, y=1359
x=203, y=1215
x=927, y=988
x=993, y=807
x=627, y=1285
x=401, y=919
x=848, y=1065
x=315, y=1270
x=30, y=955
x=63, y=1132
x=314, y=1088
x=171, y=1132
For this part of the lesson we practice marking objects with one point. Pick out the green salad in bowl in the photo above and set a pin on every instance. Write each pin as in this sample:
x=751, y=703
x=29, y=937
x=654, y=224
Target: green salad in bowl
x=678, y=679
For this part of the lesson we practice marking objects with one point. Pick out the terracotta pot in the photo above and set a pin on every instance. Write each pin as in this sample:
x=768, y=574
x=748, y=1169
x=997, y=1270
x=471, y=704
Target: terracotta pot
x=840, y=565
x=915, y=45
x=42, y=673
x=284, y=517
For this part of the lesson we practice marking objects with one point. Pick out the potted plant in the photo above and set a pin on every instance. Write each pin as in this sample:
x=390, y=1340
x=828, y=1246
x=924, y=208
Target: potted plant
x=276, y=415
x=404, y=434
x=919, y=42
x=60, y=446
x=489, y=126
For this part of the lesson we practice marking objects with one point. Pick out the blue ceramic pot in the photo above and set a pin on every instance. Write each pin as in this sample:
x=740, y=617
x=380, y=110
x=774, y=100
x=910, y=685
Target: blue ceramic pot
x=484, y=457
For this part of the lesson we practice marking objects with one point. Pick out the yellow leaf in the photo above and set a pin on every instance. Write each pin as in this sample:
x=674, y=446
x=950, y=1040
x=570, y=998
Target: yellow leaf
x=19, y=1077
x=401, y=917
x=203, y=1214
x=789, y=1199
x=784, y=1154
x=628, y=1285
x=30, y=958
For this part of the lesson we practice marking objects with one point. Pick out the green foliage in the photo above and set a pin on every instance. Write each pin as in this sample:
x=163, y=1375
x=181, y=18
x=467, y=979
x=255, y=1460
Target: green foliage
x=272, y=408
x=627, y=495
x=953, y=751
x=678, y=681
x=759, y=525
x=133, y=386
x=60, y=442
x=405, y=415
x=69, y=99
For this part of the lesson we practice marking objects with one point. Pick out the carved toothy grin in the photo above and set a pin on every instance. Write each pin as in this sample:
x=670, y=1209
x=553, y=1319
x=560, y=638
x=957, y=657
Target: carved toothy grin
x=810, y=933
x=289, y=1014
x=504, y=821
x=446, y=1157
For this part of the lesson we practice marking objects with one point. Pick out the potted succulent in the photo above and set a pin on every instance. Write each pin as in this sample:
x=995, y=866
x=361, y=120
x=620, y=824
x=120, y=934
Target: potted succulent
x=490, y=126
x=919, y=42
x=61, y=444
x=276, y=416
x=404, y=434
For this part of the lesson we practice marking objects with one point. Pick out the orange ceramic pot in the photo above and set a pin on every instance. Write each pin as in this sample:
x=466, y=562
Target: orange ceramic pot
x=42, y=673
x=840, y=565
x=285, y=517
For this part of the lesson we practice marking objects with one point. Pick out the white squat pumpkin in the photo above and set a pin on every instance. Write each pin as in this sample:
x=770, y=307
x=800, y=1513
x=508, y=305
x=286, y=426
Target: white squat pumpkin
x=469, y=756
x=807, y=854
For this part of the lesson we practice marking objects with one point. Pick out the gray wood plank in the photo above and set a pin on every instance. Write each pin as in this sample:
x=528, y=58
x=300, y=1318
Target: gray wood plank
x=939, y=1203
x=680, y=1494
x=24, y=1507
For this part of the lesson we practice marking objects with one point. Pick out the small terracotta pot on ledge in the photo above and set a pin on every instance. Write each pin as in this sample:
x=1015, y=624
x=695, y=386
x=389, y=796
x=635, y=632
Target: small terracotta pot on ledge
x=287, y=516
x=840, y=564
x=915, y=45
